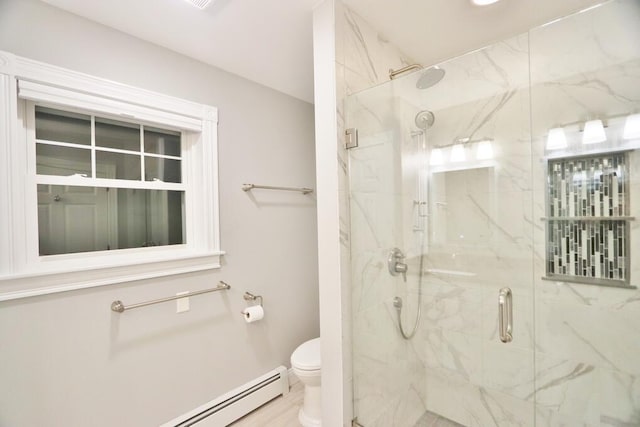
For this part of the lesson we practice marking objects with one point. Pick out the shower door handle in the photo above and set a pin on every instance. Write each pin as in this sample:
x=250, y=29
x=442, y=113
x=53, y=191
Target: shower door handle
x=505, y=315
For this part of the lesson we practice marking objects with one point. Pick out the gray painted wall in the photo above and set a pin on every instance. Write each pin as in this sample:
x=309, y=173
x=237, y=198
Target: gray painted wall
x=66, y=359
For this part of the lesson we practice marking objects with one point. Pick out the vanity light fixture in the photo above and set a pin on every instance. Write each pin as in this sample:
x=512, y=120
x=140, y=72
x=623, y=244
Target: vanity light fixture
x=457, y=153
x=200, y=4
x=436, y=158
x=632, y=127
x=593, y=132
x=484, y=150
x=556, y=139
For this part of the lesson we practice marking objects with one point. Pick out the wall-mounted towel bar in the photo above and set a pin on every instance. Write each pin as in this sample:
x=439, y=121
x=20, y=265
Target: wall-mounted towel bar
x=120, y=307
x=303, y=190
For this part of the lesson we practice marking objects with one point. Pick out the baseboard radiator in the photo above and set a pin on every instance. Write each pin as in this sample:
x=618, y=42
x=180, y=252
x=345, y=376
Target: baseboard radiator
x=237, y=403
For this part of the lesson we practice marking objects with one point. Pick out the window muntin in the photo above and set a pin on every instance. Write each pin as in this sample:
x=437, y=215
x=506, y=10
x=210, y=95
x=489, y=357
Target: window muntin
x=109, y=211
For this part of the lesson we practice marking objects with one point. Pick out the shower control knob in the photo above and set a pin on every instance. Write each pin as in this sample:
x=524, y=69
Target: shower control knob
x=395, y=263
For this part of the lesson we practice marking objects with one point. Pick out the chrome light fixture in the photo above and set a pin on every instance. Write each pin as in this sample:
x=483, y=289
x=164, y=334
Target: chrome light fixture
x=556, y=139
x=593, y=132
x=632, y=127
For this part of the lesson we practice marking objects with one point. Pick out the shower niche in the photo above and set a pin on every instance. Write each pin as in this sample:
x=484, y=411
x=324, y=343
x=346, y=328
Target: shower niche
x=588, y=219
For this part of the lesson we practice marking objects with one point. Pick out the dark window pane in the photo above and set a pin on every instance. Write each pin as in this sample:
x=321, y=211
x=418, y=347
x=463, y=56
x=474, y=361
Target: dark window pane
x=166, y=170
x=117, y=165
x=62, y=126
x=158, y=141
x=55, y=160
x=84, y=219
x=115, y=134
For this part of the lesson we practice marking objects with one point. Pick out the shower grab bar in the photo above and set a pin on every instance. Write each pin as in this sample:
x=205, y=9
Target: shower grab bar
x=505, y=315
x=119, y=307
x=303, y=190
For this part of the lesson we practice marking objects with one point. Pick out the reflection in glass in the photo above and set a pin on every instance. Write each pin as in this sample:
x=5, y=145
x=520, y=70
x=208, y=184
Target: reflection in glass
x=62, y=126
x=75, y=219
x=164, y=142
x=117, y=165
x=64, y=161
x=166, y=170
x=115, y=134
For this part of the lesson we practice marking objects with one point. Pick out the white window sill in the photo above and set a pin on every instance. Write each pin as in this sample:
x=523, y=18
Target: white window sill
x=45, y=281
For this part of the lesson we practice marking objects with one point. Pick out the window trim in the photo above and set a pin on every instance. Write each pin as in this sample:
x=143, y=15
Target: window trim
x=23, y=273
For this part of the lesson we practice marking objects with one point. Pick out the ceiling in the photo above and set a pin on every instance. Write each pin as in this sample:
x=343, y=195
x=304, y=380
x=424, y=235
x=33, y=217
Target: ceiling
x=270, y=41
x=430, y=31
x=266, y=41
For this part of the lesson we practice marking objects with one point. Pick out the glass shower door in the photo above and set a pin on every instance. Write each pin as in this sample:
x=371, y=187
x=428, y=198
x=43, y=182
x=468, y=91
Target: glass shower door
x=441, y=186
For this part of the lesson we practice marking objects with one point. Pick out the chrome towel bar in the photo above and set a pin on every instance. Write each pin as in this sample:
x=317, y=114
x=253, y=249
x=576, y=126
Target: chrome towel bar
x=303, y=190
x=119, y=307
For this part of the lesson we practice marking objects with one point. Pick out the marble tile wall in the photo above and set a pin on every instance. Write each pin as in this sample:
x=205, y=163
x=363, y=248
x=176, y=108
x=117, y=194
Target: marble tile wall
x=587, y=373
x=574, y=357
x=389, y=389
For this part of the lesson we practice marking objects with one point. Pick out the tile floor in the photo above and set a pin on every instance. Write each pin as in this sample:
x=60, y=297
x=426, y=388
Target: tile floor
x=280, y=412
x=283, y=412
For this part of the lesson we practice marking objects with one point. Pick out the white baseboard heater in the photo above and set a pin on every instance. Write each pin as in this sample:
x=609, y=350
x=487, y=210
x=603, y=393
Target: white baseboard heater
x=237, y=403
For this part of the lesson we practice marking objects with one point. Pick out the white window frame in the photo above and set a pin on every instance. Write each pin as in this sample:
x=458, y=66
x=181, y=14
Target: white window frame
x=23, y=272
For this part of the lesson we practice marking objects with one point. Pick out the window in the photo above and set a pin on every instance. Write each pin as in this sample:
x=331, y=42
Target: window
x=133, y=195
x=106, y=183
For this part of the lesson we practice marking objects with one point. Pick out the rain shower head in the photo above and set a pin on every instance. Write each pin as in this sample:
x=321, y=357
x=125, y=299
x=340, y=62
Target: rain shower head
x=430, y=77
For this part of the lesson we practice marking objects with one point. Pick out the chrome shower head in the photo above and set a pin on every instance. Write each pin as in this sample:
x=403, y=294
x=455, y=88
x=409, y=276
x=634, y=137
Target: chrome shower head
x=430, y=77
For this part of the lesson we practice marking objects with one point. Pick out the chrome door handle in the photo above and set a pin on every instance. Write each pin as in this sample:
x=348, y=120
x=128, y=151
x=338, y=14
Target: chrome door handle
x=505, y=315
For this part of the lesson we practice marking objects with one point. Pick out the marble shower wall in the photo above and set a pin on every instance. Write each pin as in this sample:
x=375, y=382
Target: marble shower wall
x=389, y=390
x=574, y=357
x=587, y=338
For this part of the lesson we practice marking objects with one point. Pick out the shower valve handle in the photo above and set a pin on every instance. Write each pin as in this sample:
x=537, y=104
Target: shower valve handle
x=395, y=264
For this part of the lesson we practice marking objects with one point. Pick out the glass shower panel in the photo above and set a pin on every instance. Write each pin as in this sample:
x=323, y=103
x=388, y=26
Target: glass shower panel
x=454, y=195
x=585, y=93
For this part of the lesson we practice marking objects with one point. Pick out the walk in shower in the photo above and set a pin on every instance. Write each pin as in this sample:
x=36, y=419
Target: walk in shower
x=502, y=197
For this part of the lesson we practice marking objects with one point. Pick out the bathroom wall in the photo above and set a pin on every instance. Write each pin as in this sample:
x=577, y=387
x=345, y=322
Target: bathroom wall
x=387, y=389
x=583, y=68
x=349, y=56
x=66, y=359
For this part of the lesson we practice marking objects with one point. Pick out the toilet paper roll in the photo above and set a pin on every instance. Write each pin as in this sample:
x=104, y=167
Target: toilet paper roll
x=253, y=313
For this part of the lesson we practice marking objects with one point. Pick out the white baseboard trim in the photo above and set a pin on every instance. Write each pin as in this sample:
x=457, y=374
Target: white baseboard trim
x=237, y=403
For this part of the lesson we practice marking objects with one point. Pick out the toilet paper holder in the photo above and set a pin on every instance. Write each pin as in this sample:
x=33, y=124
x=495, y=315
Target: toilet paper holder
x=248, y=296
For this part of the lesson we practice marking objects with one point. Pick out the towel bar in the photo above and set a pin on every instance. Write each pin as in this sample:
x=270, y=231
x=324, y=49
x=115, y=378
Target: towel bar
x=303, y=190
x=119, y=307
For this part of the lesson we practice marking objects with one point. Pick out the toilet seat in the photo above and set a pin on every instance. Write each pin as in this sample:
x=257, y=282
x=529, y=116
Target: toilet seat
x=307, y=356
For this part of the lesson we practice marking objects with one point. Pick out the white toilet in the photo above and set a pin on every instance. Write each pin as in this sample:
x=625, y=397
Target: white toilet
x=305, y=362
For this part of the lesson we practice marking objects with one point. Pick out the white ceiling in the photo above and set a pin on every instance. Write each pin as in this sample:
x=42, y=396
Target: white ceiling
x=270, y=41
x=430, y=31
x=266, y=41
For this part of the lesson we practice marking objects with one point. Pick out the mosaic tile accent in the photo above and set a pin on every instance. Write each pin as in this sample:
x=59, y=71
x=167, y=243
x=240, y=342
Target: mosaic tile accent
x=588, y=186
x=582, y=242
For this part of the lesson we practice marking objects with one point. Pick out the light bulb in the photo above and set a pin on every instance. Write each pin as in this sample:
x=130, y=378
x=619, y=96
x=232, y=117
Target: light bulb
x=436, y=157
x=556, y=139
x=593, y=132
x=457, y=153
x=485, y=150
x=632, y=127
